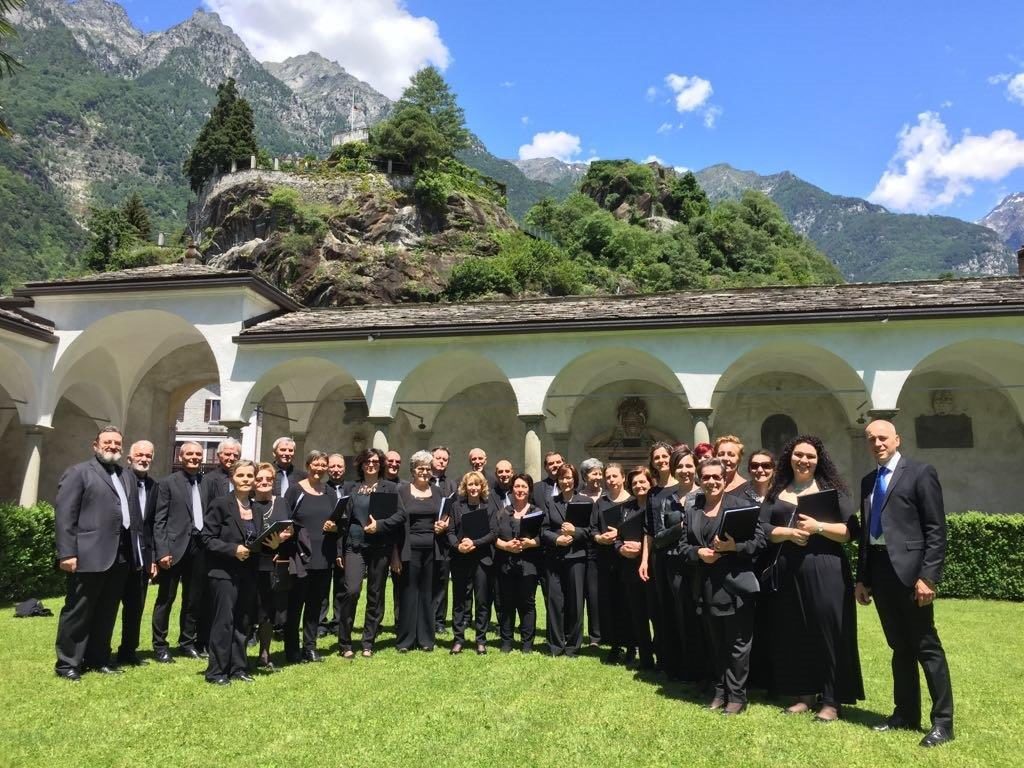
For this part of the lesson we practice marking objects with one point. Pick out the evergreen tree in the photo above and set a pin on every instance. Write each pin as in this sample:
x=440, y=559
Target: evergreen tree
x=428, y=91
x=135, y=213
x=229, y=134
x=8, y=64
x=410, y=135
x=109, y=234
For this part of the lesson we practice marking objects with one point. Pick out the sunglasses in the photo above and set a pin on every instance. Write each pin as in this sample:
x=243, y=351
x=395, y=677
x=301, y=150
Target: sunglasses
x=710, y=477
x=761, y=465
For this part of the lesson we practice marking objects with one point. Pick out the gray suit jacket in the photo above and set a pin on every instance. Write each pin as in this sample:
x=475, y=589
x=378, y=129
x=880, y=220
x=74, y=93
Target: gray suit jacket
x=88, y=517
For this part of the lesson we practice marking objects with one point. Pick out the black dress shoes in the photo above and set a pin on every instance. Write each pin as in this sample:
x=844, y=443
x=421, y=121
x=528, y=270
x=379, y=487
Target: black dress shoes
x=244, y=677
x=189, y=652
x=896, y=723
x=69, y=674
x=311, y=656
x=936, y=736
x=131, y=660
x=219, y=680
x=107, y=669
x=164, y=657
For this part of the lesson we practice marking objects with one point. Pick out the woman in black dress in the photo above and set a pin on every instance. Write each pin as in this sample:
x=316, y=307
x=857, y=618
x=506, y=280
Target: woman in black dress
x=268, y=509
x=615, y=627
x=814, y=623
x=230, y=528
x=634, y=564
x=592, y=475
x=419, y=518
x=681, y=607
x=566, y=563
x=360, y=552
x=726, y=587
x=667, y=642
x=312, y=510
x=729, y=449
x=472, y=562
x=519, y=563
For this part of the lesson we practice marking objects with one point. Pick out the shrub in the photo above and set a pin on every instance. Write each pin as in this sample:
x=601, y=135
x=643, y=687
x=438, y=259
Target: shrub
x=984, y=556
x=27, y=552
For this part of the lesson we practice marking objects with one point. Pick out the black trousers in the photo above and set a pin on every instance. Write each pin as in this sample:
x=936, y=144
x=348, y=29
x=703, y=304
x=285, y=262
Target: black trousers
x=592, y=599
x=636, y=608
x=730, y=637
x=615, y=631
x=416, y=626
x=665, y=617
x=910, y=633
x=232, y=607
x=374, y=563
x=518, y=595
x=86, y=621
x=193, y=622
x=565, y=605
x=133, y=601
x=442, y=569
x=304, y=600
x=471, y=594
x=692, y=650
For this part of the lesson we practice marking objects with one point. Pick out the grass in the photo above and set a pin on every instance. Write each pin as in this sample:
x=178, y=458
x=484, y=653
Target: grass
x=434, y=709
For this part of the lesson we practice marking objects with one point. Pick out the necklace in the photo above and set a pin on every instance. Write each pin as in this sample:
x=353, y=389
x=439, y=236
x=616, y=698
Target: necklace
x=799, y=488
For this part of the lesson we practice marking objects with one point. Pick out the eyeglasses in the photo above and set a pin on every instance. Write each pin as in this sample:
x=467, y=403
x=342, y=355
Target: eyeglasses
x=372, y=461
x=393, y=462
x=704, y=478
x=761, y=465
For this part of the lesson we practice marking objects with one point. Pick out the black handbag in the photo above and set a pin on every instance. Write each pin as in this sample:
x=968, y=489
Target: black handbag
x=771, y=577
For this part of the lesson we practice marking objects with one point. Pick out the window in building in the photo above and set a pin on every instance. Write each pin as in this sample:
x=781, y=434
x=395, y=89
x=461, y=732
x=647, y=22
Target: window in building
x=211, y=411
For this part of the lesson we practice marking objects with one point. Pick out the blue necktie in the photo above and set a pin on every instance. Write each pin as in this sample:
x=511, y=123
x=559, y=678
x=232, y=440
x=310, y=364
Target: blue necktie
x=877, y=501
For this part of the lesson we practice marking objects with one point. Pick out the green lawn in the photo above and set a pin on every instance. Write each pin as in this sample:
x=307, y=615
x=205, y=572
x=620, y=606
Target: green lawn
x=434, y=709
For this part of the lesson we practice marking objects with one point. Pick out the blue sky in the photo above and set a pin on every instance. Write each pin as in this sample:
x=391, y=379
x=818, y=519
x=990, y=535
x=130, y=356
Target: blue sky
x=918, y=106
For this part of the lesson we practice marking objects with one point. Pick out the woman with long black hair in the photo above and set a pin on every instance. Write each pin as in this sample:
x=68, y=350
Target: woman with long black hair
x=814, y=623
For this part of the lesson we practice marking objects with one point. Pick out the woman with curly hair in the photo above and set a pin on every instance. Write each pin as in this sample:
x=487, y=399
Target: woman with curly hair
x=814, y=624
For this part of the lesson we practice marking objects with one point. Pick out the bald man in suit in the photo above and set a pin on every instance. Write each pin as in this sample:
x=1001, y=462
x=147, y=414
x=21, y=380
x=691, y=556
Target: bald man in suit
x=902, y=549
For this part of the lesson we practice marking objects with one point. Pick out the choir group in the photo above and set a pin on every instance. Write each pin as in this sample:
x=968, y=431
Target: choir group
x=713, y=565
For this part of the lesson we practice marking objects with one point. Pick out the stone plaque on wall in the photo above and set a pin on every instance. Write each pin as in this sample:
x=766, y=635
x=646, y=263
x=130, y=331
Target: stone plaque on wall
x=630, y=441
x=949, y=431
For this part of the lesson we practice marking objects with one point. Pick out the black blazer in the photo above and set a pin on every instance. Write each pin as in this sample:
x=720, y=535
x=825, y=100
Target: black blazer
x=147, y=514
x=214, y=484
x=507, y=528
x=294, y=476
x=484, y=551
x=913, y=523
x=542, y=491
x=88, y=517
x=173, y=525
x=720, y=585
x=352, y=536
x=669, y=522
x=554, y=516
x=223, y=531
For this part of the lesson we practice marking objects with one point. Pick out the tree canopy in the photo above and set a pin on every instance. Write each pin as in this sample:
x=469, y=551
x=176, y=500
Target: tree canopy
x=229, y=134
x=8, y=64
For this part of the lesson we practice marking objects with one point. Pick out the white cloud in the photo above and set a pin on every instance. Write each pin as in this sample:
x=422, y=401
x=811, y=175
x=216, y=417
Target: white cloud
x=378, y=41
x=665, y=128
x=680, y=168
x=507, y=84
x=946, y=104
x=691, y=92
x=525, y=119
x=558, y=144
x=997, y=79
x=654, y=159
x=652, y=93
x=930, y=170
x=711, y=114
x=1015, y=88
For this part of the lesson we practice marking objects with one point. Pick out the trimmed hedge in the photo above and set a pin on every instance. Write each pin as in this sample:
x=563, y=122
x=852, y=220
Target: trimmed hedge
x=27, y=553
x=984, y=556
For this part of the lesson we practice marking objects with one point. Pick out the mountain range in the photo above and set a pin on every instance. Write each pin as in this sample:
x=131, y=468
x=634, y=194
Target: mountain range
x=102, y=110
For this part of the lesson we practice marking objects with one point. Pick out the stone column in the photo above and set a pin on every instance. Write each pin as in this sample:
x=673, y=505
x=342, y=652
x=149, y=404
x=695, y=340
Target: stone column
x=30, y=480
x=381, y=428
x=531, y=445
x=701, y=433
x=252, y=162
x=277, y=164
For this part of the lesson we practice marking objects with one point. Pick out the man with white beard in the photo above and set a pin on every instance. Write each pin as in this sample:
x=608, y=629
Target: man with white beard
x=133, y=599
x=99, y=541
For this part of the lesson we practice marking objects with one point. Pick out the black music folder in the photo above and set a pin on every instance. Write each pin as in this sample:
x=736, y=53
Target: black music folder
x=739, y=524
x=632, y=528
x=612, y=516
x=823, y=506
x=475, y=524
x=530, y=525
x=278, y=526
x=578, y=513
x=382, y=505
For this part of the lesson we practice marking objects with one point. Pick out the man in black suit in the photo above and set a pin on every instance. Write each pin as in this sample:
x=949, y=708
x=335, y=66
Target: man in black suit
x=217, y=482
x=286, y=474
x=177, y=522
x=393, y=466
x=902, y=548
x=133, y=599
x=501, y=487
x=98, y=527
x=442, y=562
x=544, y=490
x=340, y=487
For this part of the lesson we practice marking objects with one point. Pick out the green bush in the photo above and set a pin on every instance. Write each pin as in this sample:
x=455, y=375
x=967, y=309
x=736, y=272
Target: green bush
x=27, y=552
x=984, y=556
